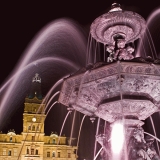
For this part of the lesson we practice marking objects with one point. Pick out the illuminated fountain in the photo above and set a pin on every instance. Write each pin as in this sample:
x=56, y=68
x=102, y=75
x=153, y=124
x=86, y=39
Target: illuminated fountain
x=120, y=85
x=117, y=86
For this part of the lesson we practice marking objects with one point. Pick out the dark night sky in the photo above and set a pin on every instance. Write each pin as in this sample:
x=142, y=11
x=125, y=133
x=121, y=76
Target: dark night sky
x=22, y=20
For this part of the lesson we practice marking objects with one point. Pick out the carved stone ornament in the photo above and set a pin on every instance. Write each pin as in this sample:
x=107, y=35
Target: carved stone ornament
x=120, y=88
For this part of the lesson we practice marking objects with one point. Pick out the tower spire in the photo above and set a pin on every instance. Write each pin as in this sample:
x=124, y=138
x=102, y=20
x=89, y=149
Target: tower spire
x=35, y=90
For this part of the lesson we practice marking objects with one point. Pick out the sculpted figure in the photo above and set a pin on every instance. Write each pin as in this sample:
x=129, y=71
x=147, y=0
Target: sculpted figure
x=138, y=146
x=142, y=148
x=122, y=52
x=110, y=49
x=150, y=148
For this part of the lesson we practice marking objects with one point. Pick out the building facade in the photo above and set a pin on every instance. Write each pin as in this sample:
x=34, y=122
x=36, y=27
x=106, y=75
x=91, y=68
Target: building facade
x=32, y=143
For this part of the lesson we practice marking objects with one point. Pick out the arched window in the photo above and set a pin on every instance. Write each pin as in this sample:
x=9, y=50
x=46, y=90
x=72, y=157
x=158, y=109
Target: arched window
x=53, y=141
x=69, y=155
x=32, y=151
x=36, y=151
x=59, y=154
x=48, y=154
x=53, y=154
x=33, y=128
x=9, y=153
x=10, y=139
x=33, y=138
x=37, y=128
x=29, y=127
x=27, y=151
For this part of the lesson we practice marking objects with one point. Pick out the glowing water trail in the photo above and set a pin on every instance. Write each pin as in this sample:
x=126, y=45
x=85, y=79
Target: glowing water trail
x=51, y=90
x=98, y=153
x=53, y=87
x=152, y=136
x=149, y=21
x=51, y=107
x=154, y=49
x=88, y=50
x=95, y=145
x=40, y=45
x=141, y=44
x=63, y=125
x=45, y=116
x=80, y=132
x=95, y=55
x=14, y=78
x=73, y=121
x=154, y=132
x=57, y=26
x=45, y=59
x=51, y=100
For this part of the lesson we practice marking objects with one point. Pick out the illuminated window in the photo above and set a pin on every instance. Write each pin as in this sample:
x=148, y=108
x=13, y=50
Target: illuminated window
x=48, y=154
x=9, y=153
x=15, y=152
x=36, y=151
x=33, y=128
x=32, y=151
x=10, y=139
x=37, y=128
x=53, y=141
x=27, y=151
x=59, y=154
x=69, y=155
x=4, y=151
x=53, y=154
x=33, y=138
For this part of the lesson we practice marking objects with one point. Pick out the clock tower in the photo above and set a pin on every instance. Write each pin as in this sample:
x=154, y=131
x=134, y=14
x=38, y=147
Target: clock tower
x=34, y=116
x=33, y=121
x=33, y=144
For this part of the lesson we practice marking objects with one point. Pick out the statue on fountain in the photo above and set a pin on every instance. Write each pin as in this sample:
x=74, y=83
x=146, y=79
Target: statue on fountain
x=142, y=148
x=123, y=52
x=111, y=50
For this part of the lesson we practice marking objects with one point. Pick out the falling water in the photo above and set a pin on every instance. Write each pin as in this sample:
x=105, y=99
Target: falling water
x=97, y=130
x=154, y=132
x=152, y=136
x=51, y=107
x=73, y=123
x=51, y=100
x=63, y=125
x=80, y=131
x=98, y=153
